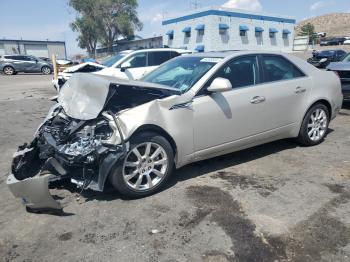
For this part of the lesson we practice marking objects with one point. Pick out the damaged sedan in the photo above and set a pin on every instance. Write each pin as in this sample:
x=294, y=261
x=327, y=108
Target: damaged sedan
x=132, y=134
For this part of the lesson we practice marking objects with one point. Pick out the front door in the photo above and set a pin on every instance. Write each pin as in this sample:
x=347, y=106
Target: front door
x=224, y=117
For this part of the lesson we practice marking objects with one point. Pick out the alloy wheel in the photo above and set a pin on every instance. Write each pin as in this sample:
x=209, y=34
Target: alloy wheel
x=46, y=70
x=145, y=166
x=8, y=70
x=317, y=125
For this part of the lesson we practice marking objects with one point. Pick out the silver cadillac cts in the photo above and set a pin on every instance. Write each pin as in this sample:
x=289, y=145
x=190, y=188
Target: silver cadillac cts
x=133, y=134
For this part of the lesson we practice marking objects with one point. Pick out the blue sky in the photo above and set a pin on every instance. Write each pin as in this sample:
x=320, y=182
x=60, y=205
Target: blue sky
x=49, y=19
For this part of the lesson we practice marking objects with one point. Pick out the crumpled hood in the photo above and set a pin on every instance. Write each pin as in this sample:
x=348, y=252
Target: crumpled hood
x=84, y=96
x=75, y=68
x=339, y=66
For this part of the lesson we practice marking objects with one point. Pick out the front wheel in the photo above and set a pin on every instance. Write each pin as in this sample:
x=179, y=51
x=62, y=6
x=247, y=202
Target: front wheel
x=46, y=70
x=315, y=125
x=146, y=167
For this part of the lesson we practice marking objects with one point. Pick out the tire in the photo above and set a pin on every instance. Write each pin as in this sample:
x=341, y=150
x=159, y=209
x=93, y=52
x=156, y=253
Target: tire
x=9, y=70
x=46, y=70
x=132, y=175
x=314, y=126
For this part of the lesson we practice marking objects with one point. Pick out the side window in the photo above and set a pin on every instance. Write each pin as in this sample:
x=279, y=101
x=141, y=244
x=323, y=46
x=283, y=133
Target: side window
x=136, y=60
x=158, y=57
x=14, y=57
x=241, y=72
x=26, y=58
x=277, y=68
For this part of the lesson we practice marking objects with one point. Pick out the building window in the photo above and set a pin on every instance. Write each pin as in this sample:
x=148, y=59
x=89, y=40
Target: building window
x=285, y=36
x=188, y=34
x=258, y=34
x=242, y=33
x=200, y=32
x=272, y=32
x=171, y=37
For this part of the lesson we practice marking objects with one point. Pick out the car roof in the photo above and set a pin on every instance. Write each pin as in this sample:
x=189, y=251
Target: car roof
x=224, y=54
x=179, y=50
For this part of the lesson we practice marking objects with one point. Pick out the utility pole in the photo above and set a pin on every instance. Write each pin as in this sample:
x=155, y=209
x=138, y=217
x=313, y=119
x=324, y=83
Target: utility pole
x=195, y=4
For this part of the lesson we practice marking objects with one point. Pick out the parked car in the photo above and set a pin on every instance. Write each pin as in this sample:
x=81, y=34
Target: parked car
x=323, y=58
x=138, y=63
x=127, y=64
x=191, y=108
x=12, y=64
x=347, y=41
x=342, y=69
x=88, y=67
x=332, y=41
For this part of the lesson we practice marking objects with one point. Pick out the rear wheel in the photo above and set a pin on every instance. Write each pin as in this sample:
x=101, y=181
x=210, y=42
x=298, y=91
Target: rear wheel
x=46, y=70
x=146, y=167
x=9, y=70
x=315, y=125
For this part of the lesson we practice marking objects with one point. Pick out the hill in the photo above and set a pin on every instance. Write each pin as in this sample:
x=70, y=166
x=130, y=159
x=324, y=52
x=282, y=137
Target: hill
x=335, y=24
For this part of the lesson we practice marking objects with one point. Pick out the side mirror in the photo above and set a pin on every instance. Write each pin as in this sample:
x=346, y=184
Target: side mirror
x=124, y=66
x=220, y=85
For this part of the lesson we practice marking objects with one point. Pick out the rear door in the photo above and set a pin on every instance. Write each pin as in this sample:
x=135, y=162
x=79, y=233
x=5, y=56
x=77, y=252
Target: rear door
x=19, y=63
x=285, y=89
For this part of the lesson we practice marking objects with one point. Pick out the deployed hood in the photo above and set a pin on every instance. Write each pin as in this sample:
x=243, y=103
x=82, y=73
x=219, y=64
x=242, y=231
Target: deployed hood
x=84, y=96
x=76, y=68
x=339, y=66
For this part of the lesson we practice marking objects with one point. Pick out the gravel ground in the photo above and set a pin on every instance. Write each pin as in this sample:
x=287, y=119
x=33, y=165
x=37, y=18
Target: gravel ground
x=276, y=202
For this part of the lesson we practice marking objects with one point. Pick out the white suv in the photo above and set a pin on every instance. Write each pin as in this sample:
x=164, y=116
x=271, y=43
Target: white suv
x=127, y=64
x=138, y=63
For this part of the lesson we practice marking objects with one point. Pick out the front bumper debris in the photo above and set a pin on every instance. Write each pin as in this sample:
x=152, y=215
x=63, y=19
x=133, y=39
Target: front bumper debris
x=34, y=193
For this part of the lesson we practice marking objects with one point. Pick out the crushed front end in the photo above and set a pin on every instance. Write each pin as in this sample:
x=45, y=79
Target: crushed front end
x=83, y=151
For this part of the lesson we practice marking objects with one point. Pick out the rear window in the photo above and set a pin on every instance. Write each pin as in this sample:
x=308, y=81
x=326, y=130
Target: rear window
x=158, y=57
x=277, y=68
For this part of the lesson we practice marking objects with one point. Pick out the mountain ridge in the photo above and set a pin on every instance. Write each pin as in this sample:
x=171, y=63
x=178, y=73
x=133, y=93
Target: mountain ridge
x=333, y=24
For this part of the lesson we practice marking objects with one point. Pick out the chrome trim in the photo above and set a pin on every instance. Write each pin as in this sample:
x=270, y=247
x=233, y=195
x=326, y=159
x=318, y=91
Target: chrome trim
x=187, y=105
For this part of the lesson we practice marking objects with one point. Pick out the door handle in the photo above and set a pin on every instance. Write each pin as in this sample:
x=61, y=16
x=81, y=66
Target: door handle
x=300, y=90
x=257, y=99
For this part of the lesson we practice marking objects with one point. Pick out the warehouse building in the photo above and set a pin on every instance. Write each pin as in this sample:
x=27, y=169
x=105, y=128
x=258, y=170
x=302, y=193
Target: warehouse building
x=219, y=29
x=35, y=48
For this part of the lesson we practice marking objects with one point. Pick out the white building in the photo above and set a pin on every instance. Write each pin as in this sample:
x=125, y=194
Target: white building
x=218, y=29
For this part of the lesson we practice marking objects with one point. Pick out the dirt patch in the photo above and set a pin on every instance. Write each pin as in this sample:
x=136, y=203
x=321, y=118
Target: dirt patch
x=227, y=213
x=95, y=238
x=335, y=188
x=65, y=236
x=264, y=186
x=319, y=233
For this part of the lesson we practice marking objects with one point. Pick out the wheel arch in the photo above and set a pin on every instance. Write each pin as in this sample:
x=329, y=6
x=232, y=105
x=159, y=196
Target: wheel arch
x=324, y=102
x=45, y=66
x=160, y=131
x=9, y=65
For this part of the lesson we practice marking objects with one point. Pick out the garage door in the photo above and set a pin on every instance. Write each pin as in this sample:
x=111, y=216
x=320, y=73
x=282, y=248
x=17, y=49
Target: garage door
x=37, y=50
x=2, y=50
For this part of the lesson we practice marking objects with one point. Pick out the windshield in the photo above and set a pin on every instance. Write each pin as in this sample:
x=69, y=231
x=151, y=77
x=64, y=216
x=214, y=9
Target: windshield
x=346, y=58
x=182, y=72
x=112, y=60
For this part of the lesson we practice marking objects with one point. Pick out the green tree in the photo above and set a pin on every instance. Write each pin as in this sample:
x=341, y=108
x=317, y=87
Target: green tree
x=309, y=30
x=88, y=33
x=112, y=18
